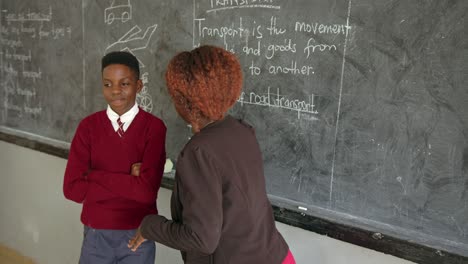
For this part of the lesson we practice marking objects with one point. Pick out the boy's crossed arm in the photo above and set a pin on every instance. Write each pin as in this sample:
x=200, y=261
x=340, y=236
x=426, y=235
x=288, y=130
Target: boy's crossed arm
x=143, y=188
x=76, y=186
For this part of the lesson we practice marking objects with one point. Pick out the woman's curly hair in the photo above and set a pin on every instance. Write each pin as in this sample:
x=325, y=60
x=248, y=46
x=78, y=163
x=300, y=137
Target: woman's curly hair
x=204, y=83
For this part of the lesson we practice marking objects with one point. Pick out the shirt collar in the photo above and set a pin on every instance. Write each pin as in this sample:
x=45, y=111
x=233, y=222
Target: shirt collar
x=128, y=116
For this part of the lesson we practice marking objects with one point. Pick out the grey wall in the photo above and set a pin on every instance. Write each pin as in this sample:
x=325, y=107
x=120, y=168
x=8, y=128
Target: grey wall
x=38, y=222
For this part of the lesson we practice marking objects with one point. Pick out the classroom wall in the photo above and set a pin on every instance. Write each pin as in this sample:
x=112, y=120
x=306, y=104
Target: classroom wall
x=37, y=221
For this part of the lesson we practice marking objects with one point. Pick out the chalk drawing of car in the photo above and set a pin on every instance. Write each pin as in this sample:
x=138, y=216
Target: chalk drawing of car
x=120, y=11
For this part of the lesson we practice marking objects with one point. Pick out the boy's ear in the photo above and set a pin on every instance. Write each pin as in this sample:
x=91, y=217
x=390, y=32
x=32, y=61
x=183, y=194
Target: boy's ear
x=139, y=85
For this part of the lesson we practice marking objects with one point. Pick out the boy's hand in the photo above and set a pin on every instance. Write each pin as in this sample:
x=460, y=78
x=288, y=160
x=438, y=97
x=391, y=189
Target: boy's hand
x=135, y=171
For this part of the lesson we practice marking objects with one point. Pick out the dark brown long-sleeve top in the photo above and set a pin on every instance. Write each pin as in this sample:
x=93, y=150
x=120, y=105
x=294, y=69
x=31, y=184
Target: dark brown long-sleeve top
x=220, y=210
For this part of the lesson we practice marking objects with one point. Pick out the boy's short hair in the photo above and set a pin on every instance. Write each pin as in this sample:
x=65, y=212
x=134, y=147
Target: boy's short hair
x=121, y=57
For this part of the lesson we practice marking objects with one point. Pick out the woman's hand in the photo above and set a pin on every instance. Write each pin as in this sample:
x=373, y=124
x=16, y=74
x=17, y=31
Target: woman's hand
x=136, y=241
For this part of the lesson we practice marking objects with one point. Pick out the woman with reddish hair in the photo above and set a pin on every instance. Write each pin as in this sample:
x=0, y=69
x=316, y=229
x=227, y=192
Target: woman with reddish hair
x=220, y=210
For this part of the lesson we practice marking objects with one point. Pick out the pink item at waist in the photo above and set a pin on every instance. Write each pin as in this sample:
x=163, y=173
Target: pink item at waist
x=289, y=259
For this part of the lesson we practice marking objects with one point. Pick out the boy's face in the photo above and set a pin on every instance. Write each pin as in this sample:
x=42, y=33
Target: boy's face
x=119, y=87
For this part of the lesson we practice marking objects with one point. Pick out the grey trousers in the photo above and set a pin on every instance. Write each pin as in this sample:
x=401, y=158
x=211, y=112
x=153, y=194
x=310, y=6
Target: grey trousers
x=102, y=246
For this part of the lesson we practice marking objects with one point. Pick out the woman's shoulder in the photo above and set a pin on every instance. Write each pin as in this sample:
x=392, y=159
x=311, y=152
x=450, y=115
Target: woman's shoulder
x=220, y=135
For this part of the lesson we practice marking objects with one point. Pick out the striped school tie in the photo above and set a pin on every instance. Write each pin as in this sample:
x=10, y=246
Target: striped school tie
x=120, y=131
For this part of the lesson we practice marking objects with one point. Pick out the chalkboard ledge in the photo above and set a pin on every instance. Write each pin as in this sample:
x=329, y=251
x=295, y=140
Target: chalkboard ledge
x=345, y=232
x=28, y=140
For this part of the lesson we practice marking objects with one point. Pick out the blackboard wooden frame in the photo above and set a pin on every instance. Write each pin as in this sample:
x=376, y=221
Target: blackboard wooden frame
x=358, y=236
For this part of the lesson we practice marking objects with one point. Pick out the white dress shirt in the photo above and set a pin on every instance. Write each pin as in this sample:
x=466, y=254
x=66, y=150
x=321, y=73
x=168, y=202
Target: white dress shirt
x=126, y=118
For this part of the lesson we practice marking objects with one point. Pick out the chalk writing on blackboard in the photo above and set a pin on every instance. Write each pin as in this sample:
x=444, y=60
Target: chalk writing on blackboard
x=273, y=47
x=276, y=100
x=219, y=5
x=19, y=67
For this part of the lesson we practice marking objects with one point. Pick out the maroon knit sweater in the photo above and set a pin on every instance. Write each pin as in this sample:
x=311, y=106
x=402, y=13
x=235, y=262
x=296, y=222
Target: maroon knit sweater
x=99, y=165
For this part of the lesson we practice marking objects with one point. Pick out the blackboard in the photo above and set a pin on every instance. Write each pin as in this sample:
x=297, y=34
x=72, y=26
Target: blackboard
x=360, y=107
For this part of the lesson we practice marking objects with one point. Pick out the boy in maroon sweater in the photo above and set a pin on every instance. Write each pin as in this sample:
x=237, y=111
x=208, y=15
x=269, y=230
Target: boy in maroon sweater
x=115, y=167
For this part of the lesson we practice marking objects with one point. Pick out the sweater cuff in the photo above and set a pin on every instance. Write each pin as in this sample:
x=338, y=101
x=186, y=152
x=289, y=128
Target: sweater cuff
x=149, y=226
